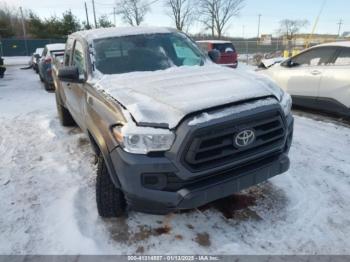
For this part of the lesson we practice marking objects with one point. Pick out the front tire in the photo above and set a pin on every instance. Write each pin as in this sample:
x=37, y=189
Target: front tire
x=48, y=87
x=110, y=200
x=64, y=115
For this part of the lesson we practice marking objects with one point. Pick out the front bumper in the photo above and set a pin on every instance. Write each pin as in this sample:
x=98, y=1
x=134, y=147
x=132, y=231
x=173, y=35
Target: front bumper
x=179, y=189
x=199, y=193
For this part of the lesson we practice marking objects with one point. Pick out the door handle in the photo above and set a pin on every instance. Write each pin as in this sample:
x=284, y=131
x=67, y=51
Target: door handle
x=315, y=72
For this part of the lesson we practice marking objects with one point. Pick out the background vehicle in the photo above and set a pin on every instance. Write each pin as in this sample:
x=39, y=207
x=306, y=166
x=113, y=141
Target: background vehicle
x=2, y=68
x=56, y=65
x=45, y=63
x=317, y=78
x=36, y=58
x=228, y=53
x=143, y=96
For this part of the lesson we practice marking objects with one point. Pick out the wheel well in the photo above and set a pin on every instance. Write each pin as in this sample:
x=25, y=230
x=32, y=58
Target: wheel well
x=94, y=145
x=98, y=152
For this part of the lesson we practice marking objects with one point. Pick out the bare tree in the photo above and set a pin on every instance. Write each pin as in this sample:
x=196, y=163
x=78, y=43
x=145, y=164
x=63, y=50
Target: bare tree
x=133, y=12
x=216, y=14
x=289, y=28
x=181, y=11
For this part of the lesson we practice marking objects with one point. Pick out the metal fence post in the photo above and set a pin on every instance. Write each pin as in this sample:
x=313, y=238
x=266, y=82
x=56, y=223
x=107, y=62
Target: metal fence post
x=1, y=50
x=246, y=51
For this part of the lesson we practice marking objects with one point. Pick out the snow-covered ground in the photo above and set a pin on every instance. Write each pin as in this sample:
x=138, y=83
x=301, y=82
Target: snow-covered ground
x=16, y=60
x=47, y=206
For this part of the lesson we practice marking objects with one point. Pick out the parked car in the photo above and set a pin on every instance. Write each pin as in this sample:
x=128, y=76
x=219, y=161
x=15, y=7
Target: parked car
x=317, y=78
x=171, y=129
x=36, y=58
x=2, y=68
x=56, y=65
x=228, y=53
x=45, y=64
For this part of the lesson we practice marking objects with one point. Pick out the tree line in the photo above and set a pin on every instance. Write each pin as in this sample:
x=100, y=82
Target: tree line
x=38, y=28
x=214, y=15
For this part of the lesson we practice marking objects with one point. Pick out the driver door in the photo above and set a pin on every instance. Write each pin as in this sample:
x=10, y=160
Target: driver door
x=76, y=91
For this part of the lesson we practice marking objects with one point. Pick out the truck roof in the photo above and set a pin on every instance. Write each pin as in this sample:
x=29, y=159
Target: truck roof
x=101, y=33
x=340, y=44
x=56, y=47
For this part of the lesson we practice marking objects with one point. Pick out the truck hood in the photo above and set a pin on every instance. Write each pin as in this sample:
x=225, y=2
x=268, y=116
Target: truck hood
x=164, y=98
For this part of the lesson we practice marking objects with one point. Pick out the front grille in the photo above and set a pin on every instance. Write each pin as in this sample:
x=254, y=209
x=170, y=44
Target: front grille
x=214, y=146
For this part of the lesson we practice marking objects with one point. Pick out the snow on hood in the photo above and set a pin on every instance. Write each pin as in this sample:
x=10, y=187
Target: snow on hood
x=164, y=98
x=272, y=61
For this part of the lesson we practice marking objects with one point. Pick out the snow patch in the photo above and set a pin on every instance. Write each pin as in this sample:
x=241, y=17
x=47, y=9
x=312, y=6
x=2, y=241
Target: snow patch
x=166, y=97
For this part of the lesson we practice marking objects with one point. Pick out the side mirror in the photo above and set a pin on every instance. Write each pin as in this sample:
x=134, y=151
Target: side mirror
x=69, y=74
x=214, y=55
x=290, y=63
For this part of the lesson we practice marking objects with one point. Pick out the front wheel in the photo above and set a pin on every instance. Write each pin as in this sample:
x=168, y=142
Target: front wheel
x=64, y=115
x=49, y=87
x=110, y=200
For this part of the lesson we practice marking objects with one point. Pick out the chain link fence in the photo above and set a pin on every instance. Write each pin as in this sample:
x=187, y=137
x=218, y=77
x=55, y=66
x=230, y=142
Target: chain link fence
x=16, y=47
x=252, y=52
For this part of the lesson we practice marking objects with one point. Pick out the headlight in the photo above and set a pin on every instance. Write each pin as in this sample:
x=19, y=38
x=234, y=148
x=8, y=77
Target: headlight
x=286, y=104
x=142, y=140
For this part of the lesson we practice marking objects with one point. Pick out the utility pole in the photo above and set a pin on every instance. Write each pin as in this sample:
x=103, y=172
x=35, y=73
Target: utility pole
x=114, y=16
x=257, y=39
x=24, y=31
x=259, y=25
x=87, y=17
x=340, y=25
x=93, y=9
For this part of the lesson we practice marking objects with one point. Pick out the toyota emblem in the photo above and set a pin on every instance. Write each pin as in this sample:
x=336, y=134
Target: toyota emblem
x=245, y=138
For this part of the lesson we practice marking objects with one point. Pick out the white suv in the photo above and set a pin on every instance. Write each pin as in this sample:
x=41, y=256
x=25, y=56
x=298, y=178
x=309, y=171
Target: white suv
x=317, y=78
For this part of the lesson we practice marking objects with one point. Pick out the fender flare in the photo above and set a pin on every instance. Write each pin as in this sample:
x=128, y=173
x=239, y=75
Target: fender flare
x=100, y=147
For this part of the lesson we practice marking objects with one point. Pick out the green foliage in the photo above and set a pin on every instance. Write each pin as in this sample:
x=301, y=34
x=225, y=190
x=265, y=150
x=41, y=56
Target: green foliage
x=37, y=27
x=86, y=26
x=53, y=27
x=10, y=24
x=5, y=29
x=104, y=22
x=69, y=24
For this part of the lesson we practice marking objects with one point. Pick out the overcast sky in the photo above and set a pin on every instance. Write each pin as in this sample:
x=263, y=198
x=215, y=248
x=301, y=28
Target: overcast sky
x=272, y=12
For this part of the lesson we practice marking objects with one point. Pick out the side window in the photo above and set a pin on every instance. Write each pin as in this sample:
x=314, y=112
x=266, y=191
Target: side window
x=343, y=58
x=315, y=57
x=79, y=58
x=68, y=51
